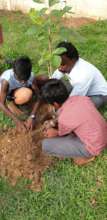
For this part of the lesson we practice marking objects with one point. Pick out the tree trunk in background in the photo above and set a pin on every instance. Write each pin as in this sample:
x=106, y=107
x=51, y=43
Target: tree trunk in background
x=1, y=35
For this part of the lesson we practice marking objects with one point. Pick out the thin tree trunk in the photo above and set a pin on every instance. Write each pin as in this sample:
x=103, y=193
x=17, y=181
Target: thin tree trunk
x=50, y=50
x=1, y=35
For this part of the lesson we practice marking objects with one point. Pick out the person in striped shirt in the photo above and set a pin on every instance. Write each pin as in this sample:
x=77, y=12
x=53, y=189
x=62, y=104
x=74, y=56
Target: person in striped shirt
x=82, y=131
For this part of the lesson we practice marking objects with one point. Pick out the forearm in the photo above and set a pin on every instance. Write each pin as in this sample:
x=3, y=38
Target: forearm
x=5, y=109
x=35, y=107
x=3, y=104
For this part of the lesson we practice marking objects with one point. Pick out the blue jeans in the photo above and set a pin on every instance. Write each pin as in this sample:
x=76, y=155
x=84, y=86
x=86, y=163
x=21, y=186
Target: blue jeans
x=67, y=146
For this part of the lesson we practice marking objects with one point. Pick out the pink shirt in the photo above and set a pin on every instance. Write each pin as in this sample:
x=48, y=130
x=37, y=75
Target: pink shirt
x=79, y=115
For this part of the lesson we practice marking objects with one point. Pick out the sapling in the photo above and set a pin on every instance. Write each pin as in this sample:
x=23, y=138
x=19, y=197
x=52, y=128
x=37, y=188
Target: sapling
x=47, y=31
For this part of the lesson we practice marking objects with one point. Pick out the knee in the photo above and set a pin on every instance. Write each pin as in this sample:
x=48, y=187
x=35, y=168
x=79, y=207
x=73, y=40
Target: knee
x=22, y=95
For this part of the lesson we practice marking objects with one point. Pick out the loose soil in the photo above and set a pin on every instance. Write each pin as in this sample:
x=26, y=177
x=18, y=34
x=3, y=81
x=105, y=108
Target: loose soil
x=77, y=22
x=21, y=156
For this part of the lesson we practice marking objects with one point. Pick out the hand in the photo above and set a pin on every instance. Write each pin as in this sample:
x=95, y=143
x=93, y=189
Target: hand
x=20, y=126
x=51, y=132
x=48, y=124
x=30, y=123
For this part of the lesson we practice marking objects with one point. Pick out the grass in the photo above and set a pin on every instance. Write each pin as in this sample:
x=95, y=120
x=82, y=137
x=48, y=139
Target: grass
x=69, y=192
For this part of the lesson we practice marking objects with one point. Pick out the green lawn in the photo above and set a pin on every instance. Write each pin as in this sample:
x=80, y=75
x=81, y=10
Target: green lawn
x=69, y=192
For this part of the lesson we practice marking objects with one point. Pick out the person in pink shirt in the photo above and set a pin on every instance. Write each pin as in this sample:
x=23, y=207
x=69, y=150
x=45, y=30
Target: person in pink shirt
x=82, y=131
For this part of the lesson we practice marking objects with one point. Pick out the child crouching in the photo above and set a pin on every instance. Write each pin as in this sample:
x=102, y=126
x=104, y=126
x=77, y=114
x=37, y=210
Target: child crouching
x=17, y=87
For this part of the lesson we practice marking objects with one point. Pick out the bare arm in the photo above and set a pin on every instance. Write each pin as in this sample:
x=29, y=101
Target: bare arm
x=41, y=80
x=37, y=92
x=3, y=106
x=37, y=83
x=3, y=95
x=31, y=121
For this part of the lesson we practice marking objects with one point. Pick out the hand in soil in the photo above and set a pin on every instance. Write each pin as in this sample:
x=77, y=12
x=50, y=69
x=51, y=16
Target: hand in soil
x=21, y=127
x=48, y=124
x=51, y=132
x=30, y=124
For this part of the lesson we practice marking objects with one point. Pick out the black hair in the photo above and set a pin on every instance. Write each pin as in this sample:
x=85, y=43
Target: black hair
x=54, y=91
x=71, y=51
x=22, y=68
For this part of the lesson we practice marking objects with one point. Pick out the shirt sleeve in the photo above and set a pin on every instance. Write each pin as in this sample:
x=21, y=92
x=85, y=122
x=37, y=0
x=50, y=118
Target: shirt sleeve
x=65, y=126
x=6, y=75
x=31, y=78
x=57, y=75
x=63, y=130
x=82, y=86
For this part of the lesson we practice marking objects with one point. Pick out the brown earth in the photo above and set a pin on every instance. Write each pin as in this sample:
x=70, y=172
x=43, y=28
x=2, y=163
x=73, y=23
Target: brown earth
x=70, y=22
x=77, y=22
x=21, y=156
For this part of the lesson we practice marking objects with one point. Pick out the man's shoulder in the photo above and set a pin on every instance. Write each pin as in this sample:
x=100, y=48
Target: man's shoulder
x=77, y=107
x=8, y=72
x=76, y=100
x=71, y=100
x=84, y=70
x=70, y=107
x=88, y=65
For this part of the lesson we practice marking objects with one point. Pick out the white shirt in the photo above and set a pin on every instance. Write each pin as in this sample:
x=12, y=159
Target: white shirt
x=8, y=75
x=85, y=78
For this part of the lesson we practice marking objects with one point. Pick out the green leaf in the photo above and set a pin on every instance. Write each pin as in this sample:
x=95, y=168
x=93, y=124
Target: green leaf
x=31, y=31
x=59, y=51
x=41, y=61
x=56, y=13
x=56, y=60
x=67, y=9
x=39, y=1
x=42, y=12
x=52, y=2
x=36, y=16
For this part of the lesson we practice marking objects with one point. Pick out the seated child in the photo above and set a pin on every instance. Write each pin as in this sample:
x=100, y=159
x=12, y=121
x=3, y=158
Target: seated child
x=18, y=85
x=81, y=132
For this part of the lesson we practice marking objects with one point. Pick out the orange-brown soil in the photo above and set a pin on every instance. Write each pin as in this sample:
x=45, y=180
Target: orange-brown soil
x=21, y=156
x=77, y=22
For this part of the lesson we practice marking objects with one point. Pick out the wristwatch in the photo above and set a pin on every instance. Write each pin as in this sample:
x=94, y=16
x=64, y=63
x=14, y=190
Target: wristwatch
x=32, y=116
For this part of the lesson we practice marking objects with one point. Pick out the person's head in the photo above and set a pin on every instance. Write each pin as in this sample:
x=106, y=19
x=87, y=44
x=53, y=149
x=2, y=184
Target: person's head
x=22, y=68
x=69, y=57
x=54, y=92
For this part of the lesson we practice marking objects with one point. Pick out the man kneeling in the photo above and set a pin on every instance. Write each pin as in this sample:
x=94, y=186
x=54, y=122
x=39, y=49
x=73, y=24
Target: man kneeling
x=81, y=132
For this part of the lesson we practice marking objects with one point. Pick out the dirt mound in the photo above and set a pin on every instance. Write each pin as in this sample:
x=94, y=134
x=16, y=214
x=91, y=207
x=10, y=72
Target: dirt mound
x=77, y=22
x=21, y=156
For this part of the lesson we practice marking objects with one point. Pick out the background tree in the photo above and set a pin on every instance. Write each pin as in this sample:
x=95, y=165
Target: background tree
x=48, y=31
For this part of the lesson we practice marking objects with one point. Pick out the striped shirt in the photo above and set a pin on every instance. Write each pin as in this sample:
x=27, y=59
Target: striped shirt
x=79, y=115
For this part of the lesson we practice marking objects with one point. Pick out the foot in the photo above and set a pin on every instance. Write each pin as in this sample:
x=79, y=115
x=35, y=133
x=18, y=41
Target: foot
x=83, y=160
